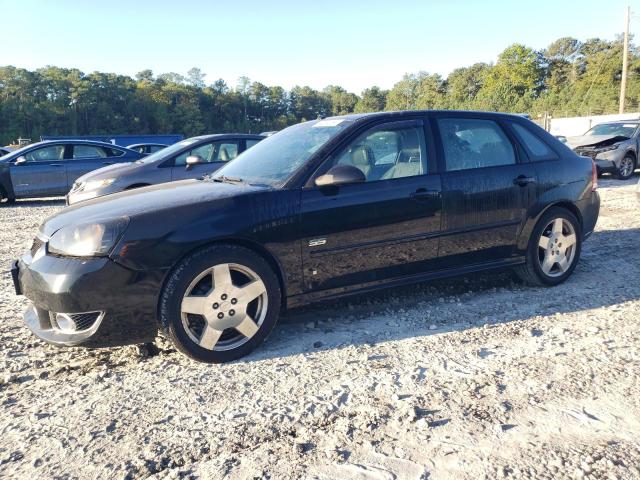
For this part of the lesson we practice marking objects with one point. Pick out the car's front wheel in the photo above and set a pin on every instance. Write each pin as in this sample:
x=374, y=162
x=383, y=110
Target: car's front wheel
x=554, y=249
x=220, y=303
x=627, y=167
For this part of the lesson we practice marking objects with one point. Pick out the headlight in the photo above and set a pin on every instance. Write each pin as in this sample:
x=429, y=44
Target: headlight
x=88, y=239
x=95, y=184
x=607, y=149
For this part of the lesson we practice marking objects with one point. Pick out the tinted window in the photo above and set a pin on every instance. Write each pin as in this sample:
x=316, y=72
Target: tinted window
x=251, y=143
x=385, y=153
x=46, y=154
x=155, y=148
x=474, y=143
x=88, y=151
x=536, y=148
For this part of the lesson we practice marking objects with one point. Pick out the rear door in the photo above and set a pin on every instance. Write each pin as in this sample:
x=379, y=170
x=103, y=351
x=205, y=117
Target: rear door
x=488, y=186
x=213, y=155
x=42, y=173
x=86, y=158
x=383, y=228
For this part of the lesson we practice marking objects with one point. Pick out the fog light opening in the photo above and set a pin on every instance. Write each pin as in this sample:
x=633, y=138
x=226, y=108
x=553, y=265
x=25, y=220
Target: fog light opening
x=65, y=323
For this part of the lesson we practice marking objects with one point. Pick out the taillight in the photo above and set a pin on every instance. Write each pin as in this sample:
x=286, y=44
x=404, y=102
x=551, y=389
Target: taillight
x=594, y=176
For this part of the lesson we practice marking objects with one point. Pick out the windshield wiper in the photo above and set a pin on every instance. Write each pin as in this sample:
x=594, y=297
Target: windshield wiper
x=225, y=179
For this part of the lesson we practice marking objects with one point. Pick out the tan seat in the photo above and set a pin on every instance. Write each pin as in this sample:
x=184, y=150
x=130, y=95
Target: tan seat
x=362, y=158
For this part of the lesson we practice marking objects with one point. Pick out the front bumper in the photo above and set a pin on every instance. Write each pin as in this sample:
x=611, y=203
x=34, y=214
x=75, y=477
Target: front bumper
x=123, y=301
x=606, y=166
x=80, y=196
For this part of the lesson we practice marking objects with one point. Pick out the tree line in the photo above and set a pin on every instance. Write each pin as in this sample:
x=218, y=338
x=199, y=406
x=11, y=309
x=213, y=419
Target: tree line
x=569, y=77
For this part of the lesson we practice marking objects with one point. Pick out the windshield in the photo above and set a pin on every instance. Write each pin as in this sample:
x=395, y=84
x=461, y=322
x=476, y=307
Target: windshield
x=168, y=151
x=275, y=159
x=618, y=129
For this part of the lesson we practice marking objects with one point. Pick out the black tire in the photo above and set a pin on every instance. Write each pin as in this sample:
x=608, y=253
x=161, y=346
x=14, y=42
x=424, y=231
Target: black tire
x=187, y=271
x=625, y=173
x=531, y=272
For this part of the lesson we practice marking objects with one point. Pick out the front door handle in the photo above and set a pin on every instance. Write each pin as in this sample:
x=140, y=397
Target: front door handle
x=523, y=180
x=423, y=194
x=56, y=165
x=108, y=163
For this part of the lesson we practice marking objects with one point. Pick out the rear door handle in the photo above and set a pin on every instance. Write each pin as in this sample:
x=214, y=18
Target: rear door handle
x=523, y=180
x=108, y=163
x=423, y=194
x=56, y=165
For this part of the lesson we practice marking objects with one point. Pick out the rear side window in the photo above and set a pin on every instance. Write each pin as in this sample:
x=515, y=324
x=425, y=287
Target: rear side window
x=536, y=148
x=88, y=151
x=251, y=142
x=474, y=143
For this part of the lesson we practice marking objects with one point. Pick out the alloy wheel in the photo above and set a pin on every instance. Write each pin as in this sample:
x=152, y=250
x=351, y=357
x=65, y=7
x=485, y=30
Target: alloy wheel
x=557, y=247
x=224, y=307
x=626, y=166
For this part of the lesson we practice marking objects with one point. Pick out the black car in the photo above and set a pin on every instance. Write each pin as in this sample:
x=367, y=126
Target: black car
x=322, y=209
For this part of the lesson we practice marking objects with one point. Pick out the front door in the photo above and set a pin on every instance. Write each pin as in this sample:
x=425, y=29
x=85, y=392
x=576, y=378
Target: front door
x=40, y=172
x=487, y=187
x=212, y=155
x=387, y=226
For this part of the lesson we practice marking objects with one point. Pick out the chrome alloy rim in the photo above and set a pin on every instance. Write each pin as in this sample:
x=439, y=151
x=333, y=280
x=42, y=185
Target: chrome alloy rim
x=557, y=247
x=626, y=166
x=224, y=307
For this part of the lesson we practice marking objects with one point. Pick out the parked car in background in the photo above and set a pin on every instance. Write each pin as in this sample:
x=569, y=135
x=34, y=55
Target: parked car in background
x=191, y=158
x=49, y=168
x=5, y=150
x=319, y=210
x=613, y=146
x=146, y=148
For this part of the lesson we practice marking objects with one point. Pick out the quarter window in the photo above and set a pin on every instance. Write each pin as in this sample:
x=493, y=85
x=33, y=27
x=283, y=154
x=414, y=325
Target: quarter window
x=536, y=148
x=387, y=153
x=46, y=154
x=474, y=143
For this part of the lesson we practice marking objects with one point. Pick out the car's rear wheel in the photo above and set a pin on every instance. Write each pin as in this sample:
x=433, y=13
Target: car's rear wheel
x=554, y=249
x=627, y=167
x=220, y=303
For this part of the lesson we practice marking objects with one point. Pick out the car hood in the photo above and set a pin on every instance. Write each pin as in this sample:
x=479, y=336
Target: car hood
x=110, y=171
x=595, y=140
x=152, y=200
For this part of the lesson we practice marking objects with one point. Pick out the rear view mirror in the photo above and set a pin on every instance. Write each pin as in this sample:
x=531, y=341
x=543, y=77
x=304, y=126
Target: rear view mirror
x=340, y=175
x=193, y=160
x=20, y=160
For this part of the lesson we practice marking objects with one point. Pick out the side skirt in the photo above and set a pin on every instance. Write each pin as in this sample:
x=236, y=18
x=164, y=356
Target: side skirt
x=352, y=290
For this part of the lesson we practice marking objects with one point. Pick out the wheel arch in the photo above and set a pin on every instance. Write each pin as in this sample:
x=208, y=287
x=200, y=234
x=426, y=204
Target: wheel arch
x=248, y=244
x=525, y=234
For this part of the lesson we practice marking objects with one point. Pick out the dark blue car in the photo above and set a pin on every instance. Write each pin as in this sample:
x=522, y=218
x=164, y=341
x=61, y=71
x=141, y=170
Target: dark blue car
x=49, y=168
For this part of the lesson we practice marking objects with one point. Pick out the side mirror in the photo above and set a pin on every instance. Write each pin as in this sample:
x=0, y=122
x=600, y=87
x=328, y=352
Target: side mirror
x=21, y=159
x=340, y=175
x=193, y=160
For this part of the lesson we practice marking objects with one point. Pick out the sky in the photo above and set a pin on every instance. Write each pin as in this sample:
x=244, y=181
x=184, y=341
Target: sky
x=354, y=44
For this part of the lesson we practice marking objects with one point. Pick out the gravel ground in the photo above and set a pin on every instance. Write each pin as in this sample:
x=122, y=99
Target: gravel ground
x=476, y=377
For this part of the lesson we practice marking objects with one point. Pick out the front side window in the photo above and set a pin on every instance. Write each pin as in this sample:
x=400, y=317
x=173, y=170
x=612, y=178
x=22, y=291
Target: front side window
x=386, y=153
x=474, y=143
x=205, y=152
x=223, y=152
x=251, y=142
x=46, y=154
x=88, y=151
